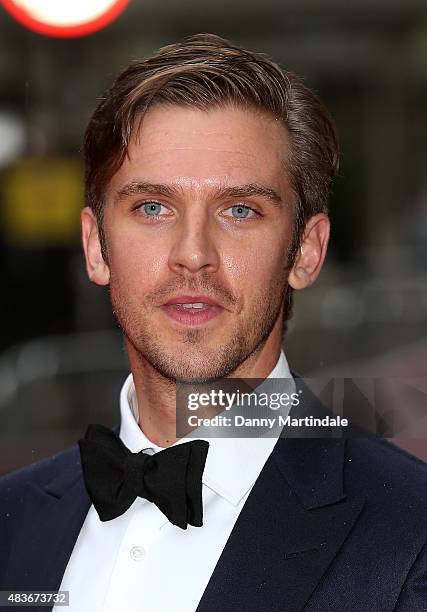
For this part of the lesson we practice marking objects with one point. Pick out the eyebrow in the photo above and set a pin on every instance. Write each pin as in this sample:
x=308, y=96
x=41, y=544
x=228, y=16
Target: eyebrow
x=238, y=191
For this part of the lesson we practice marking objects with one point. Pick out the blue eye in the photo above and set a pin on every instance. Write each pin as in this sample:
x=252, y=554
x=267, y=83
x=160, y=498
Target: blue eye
x=239, y=211
x=151, y=209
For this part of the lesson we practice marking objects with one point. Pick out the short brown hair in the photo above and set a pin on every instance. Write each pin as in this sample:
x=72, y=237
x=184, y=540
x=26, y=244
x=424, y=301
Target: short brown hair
x=205, y=71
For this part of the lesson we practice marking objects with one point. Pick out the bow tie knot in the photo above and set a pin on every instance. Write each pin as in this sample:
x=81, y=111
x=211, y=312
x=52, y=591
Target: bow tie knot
x=171, y=479
x=135, y=465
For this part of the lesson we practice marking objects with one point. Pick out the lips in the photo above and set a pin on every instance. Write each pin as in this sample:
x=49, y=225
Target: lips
x=203, y=309
x=193, y=299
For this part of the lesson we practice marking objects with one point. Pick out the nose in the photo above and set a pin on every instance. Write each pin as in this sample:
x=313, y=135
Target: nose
x=194, y=245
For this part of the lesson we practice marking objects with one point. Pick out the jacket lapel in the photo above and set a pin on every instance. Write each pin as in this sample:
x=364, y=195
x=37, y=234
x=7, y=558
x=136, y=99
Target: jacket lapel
x=54, y=512
x=55, y=508
x=291, y=527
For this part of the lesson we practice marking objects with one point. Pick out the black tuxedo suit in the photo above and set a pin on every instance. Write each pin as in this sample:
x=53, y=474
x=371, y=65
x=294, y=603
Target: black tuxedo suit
x=331, y=525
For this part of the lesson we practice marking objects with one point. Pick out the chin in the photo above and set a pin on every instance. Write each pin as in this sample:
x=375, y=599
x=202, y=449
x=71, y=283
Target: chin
x=193, y=374
x=201, y=369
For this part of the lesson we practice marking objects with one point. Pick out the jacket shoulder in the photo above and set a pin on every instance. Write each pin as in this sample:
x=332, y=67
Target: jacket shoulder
x=389, y=474
x=387, y=457
x=63, y=463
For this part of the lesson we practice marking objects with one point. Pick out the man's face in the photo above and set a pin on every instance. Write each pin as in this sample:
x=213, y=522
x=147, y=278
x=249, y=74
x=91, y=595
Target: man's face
x=201, y=207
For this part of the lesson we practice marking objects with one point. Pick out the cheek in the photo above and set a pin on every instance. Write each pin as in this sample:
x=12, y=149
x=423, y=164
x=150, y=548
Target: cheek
x=257, y=271
x=136, y=263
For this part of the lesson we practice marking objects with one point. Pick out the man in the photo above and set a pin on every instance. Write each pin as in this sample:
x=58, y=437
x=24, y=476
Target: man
x=208, y=170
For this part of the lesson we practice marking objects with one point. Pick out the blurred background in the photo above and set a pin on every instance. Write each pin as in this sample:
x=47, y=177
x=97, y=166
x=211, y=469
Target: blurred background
x=62, y=360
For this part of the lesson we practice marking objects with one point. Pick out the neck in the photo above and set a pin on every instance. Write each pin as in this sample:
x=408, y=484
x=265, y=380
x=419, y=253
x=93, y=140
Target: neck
x=156, y=394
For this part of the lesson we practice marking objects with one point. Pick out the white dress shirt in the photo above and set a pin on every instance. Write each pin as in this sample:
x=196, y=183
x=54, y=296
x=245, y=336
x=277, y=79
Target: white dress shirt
x=139, y=561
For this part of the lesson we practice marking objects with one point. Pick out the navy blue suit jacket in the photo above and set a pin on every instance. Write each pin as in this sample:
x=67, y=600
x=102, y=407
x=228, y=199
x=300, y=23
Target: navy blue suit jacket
x=331, y=525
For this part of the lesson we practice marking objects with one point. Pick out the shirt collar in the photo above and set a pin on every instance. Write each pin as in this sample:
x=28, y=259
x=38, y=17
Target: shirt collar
x=232, y=464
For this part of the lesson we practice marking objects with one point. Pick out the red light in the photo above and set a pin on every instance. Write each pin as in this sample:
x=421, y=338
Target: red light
x=67, y=19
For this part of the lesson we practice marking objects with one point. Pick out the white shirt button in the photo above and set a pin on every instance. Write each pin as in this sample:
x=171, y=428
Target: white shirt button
x=138, y=553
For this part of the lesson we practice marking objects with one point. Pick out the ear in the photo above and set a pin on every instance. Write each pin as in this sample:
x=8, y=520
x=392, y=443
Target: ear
x=310, y=257
x=98, y=271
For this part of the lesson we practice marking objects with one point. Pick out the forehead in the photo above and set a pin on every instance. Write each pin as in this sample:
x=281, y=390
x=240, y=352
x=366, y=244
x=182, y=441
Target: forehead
x=196, y=150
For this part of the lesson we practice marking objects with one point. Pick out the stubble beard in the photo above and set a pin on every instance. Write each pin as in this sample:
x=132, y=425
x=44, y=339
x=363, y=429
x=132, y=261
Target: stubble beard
x=195, y=362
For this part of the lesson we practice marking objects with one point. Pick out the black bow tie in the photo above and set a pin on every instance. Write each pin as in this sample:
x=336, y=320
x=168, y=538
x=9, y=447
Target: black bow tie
x=115, y=477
